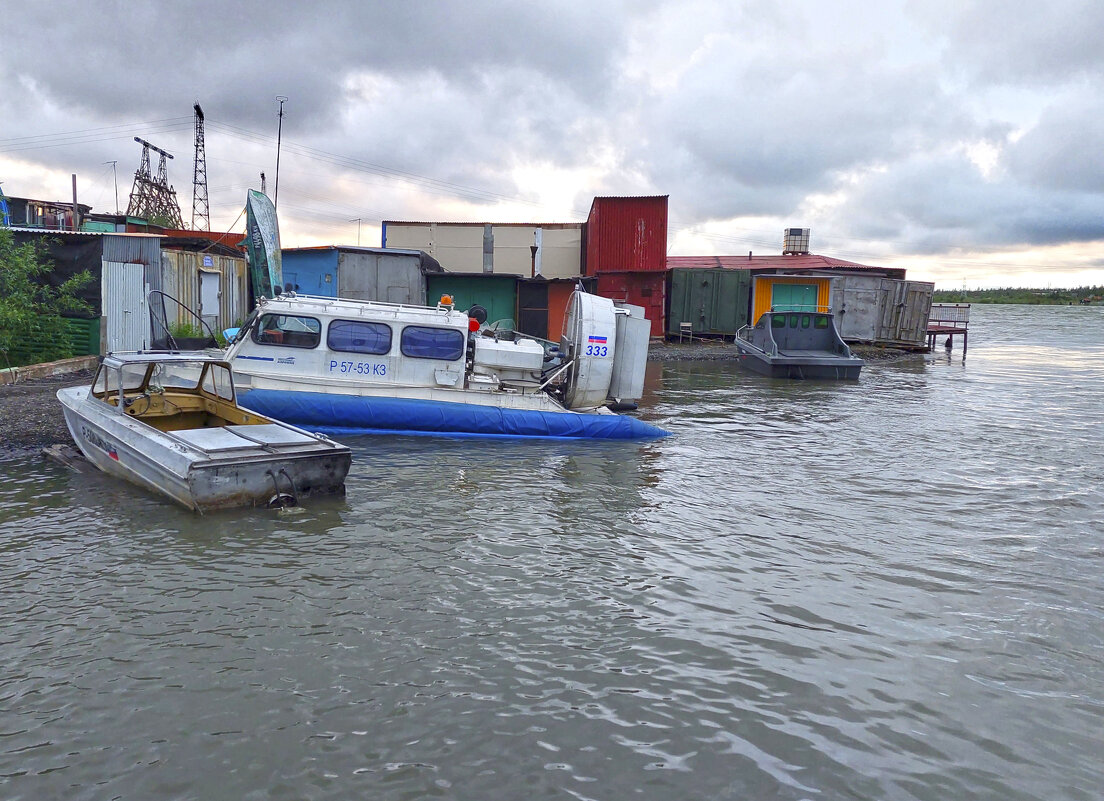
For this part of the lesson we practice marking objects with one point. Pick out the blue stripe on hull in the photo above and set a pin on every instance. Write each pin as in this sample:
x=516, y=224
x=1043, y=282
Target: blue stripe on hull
x=353, y=414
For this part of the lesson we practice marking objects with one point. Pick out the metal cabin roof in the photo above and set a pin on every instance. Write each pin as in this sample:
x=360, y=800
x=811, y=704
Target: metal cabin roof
x=781, y=263
x=453, y=223
x=355, y=249
x=68, y=232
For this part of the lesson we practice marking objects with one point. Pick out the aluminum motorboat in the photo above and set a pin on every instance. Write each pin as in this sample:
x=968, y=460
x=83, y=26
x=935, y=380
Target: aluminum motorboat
x=169, y=422
x=796, y=344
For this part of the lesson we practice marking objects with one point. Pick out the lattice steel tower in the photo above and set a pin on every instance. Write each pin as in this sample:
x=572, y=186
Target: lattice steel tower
x=152, y=198
x=201, y=211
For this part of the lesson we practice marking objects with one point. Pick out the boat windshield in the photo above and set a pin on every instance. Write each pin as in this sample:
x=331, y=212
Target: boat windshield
x=177, y=374
x=217, y=381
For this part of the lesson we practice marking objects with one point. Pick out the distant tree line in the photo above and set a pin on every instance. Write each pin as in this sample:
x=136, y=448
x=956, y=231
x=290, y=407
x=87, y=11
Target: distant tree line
x=1040, y=297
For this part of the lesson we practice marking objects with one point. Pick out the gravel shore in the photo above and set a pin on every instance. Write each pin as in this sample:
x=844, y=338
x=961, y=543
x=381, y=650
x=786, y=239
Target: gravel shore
x=30, y=414
x=31, y=418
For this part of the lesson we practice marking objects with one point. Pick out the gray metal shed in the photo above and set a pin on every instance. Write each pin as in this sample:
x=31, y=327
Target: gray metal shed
x=393, y=276
x=882, y=311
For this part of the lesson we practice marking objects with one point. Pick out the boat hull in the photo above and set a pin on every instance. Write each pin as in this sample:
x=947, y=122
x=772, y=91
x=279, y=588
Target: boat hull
x=336, y=414
x=824, y=368
x=149, y=459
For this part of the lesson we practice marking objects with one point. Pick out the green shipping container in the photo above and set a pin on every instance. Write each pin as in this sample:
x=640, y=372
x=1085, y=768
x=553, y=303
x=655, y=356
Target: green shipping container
x=495, y=293
x=715, y=301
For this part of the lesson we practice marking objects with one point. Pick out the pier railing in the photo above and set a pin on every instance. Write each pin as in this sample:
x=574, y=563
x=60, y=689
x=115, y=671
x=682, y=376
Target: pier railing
x=956, y=315
x=949, y=319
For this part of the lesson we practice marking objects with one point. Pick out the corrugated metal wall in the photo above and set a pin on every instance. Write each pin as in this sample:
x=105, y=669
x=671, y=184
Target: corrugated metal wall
x=714, y=301
x=136, y=249
x=627, y=234
x=882, y=310
x=180, y=278
x=647, y=289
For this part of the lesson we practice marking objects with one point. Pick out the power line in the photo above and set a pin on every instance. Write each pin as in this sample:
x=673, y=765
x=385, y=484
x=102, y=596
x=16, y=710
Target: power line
x=97, y=135
x=124, y=127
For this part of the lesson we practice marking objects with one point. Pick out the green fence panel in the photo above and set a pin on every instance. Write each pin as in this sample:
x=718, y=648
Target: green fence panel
x=83, y=335
x=39, y=341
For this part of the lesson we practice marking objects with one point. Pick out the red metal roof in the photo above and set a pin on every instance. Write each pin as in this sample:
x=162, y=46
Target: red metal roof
x=779, y=263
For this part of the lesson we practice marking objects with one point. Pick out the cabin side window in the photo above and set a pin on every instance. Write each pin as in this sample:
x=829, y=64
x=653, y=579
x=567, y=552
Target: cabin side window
x=354, y=336
x=423, y=342
x=107, y=382
x=217, y=382
x=289, y=330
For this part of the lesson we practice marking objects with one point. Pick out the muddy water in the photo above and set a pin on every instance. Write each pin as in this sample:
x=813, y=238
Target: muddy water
x=890, y=589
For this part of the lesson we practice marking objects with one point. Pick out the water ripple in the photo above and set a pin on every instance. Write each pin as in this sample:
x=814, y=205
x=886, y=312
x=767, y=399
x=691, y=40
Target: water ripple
x=884, y=590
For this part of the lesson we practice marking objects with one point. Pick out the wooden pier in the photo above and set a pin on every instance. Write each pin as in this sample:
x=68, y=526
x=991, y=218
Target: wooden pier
x=951, y=320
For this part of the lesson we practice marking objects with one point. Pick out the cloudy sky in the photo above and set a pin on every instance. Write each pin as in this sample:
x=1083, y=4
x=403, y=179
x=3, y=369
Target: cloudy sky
x=962, y=140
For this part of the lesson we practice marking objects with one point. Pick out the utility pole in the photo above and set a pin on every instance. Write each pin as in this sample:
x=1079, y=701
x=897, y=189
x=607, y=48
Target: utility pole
x=357, y=221
x=201, y=210
x=116, y=176
x=154, y=199
x=279, y=133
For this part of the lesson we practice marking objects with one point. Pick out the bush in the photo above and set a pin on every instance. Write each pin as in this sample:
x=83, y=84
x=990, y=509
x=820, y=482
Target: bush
x=31, y=326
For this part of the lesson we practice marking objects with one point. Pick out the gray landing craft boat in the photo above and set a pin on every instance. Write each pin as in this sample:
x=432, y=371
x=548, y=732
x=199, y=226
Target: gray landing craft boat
x=169, y=422
x=796, y=344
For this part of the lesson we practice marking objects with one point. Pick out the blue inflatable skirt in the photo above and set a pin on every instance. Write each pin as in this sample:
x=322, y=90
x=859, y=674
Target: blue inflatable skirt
x=337, y=415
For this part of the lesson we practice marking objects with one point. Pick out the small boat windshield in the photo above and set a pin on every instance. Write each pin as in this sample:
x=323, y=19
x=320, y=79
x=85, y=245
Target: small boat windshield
x=132, y=377
x=184, y=375
x=798, y=319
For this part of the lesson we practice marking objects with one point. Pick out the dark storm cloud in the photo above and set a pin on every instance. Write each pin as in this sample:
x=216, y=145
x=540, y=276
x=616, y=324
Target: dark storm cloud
x=760, y=108
x=755, y=135
x=116, y=58
x=933, y=204
x=1063, y=150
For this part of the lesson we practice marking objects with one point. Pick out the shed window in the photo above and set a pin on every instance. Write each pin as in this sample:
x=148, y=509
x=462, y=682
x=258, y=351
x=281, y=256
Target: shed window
x=288, y=330
x=422, y=342
x=353, y=336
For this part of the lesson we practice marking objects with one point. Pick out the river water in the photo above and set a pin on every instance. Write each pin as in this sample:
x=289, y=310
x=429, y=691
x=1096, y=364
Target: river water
x=889, y=589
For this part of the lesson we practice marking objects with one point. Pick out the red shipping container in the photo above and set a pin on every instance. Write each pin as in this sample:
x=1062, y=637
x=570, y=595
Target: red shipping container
x=626, y=234
x=645, y=289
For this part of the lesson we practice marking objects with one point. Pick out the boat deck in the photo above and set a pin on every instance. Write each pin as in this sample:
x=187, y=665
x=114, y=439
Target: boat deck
x=238, y=438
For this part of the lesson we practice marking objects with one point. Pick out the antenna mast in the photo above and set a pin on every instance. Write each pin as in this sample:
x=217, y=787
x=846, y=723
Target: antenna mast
x=201, y=211
x=152, y=198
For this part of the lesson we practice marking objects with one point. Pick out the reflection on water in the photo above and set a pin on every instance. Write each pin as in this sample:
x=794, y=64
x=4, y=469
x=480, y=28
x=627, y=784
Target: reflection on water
x=881, y=589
